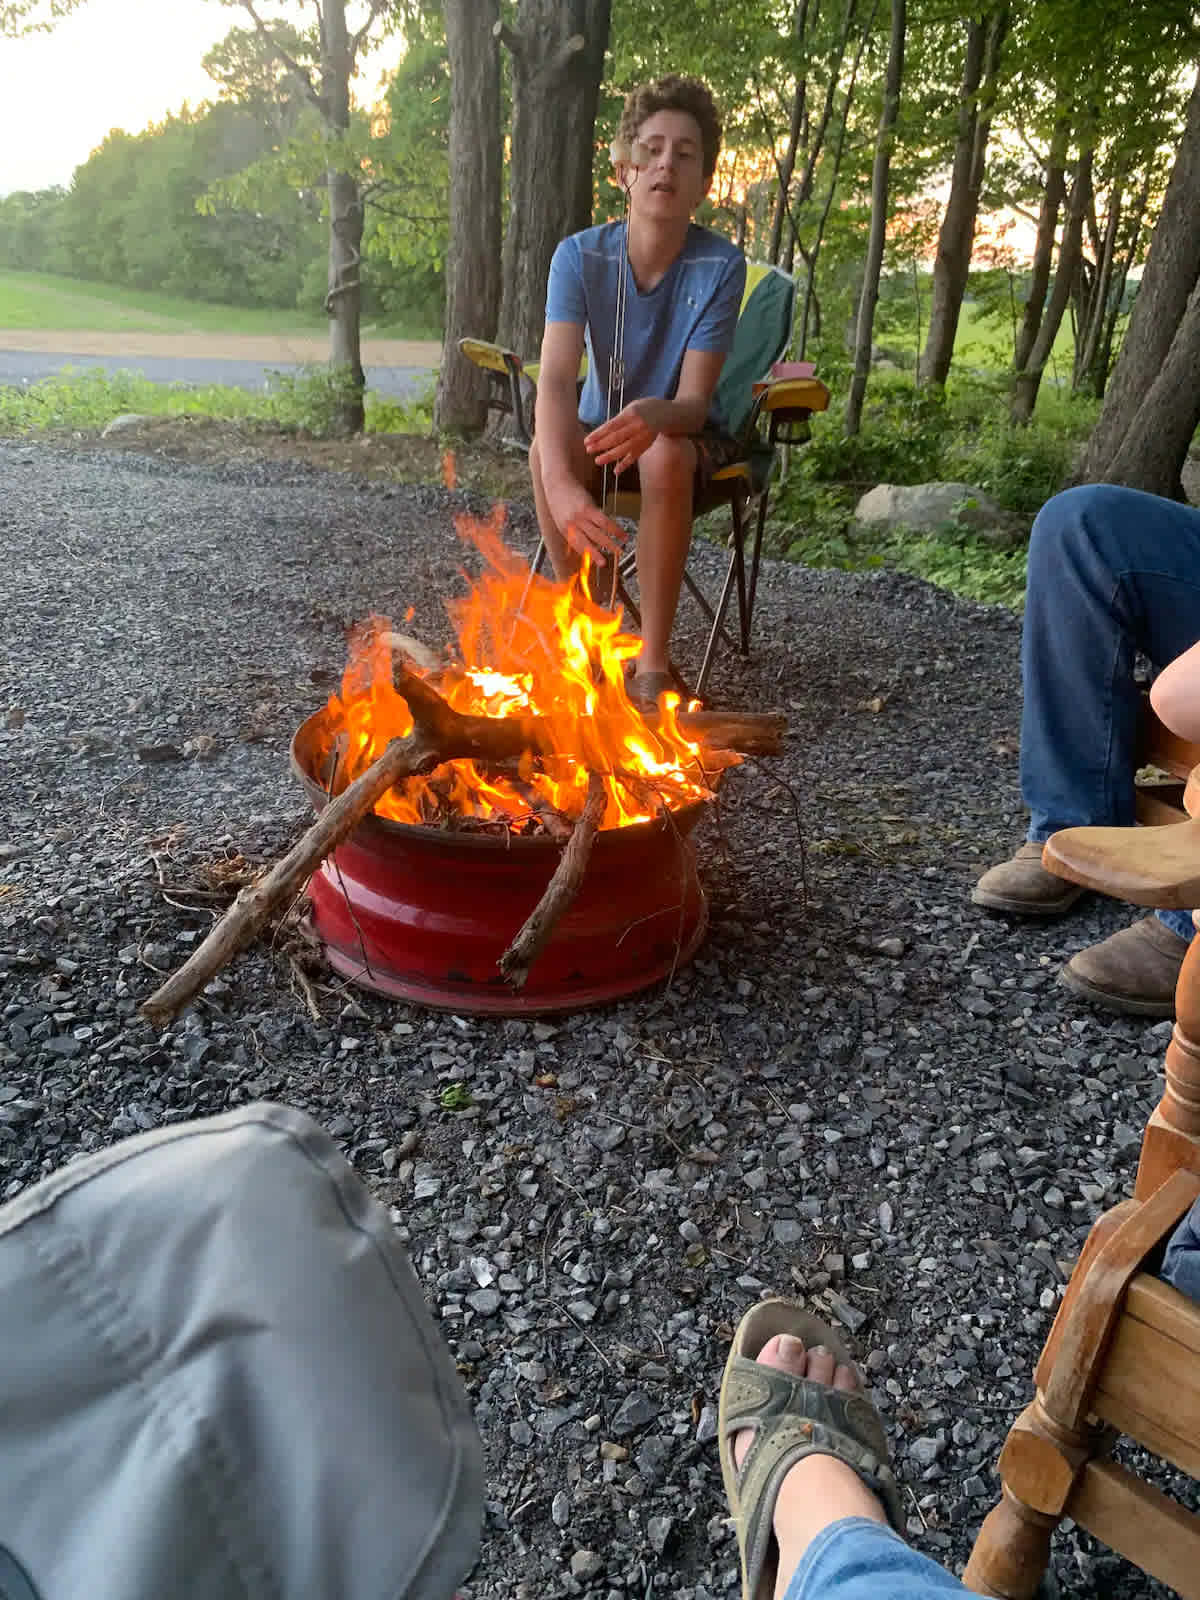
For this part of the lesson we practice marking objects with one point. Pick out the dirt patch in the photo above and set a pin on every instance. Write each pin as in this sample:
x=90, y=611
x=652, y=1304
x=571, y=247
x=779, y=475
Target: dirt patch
x=265, y=347
x=393, y=457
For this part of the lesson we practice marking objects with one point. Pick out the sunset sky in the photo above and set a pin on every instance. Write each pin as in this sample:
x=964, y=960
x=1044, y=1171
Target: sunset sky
x=112, y=64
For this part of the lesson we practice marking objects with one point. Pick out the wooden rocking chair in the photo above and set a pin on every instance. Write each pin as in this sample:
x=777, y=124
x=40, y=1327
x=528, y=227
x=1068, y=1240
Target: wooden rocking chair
x=1123, y=1356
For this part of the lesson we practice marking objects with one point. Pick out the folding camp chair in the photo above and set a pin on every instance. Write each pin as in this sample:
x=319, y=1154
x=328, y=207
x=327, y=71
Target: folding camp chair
x=765, y=410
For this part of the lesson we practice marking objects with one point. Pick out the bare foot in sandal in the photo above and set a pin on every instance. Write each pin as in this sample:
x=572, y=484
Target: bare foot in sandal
x=820, y=1489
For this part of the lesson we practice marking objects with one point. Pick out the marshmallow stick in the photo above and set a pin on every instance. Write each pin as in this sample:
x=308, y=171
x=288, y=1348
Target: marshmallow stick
x=632, y=158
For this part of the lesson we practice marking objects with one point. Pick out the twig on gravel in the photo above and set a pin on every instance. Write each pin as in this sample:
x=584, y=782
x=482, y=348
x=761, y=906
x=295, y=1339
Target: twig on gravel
x=917, y=1506
x=306, y=988
x=579, y=1328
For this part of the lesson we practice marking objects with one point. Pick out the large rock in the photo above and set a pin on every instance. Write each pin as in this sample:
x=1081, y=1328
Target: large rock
x=930, y=507
x=127, y=419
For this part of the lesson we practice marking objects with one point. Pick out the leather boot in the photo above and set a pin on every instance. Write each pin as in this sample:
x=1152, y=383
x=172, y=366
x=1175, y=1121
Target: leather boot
x=1023, y=887
x=1135, y=970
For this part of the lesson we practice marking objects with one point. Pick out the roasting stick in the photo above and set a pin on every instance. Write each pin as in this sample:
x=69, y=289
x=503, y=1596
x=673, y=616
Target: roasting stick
x=633, y=158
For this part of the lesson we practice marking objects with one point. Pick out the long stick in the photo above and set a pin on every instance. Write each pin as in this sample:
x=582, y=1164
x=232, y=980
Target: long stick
x=539, y=926
x=403, y=758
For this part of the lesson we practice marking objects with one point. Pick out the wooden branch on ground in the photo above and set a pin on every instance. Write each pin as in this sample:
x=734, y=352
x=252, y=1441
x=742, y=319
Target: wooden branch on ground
x=560, y=892
x=439, y=734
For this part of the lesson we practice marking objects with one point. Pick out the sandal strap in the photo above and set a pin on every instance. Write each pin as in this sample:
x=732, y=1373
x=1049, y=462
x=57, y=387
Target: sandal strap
x=793, y=1418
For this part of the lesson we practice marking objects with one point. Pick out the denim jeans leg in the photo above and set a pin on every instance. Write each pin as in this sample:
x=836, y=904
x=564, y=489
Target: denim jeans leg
x=1112, y=572
x=857, y=1559
x=1181, y=1264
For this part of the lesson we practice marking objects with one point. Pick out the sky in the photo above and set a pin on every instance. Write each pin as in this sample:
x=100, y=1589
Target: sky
x=112, y=64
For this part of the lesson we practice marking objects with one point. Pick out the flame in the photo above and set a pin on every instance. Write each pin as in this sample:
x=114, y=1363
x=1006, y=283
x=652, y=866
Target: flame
x=528, y=645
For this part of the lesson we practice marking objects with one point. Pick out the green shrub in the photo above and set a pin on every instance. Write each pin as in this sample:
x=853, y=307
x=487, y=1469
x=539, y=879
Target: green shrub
x=310, y=400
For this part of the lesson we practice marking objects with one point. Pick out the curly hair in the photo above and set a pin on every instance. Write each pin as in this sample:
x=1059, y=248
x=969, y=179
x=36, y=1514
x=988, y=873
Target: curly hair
x=674, y=93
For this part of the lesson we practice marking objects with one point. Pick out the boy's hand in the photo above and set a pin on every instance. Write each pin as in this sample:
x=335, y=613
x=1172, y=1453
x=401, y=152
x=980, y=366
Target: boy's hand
x=620, y=441
x=582, y=523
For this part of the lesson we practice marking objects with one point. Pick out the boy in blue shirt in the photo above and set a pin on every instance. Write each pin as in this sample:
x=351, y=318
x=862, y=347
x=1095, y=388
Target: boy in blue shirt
x=683, y=290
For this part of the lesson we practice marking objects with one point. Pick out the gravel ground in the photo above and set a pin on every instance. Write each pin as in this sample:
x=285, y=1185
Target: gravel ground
x=865, y=1092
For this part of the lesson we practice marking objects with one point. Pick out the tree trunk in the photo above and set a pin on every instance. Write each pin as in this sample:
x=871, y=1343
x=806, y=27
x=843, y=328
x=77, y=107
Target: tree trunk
x=786, y=167
x=1170, y=276
x=816, y=143
x=1028, y=380
x=810, y=318
x=473, y=256
x=1043, y=249
x=585, y=72
x=1102, y=365
x=343, y=302
x=952, y=264
x=1155, y=445
x=879, y=201
x=545, y=183
x=1095, y=316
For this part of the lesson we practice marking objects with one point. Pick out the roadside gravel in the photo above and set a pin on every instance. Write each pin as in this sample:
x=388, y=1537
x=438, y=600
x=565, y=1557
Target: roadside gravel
x=864, y=1091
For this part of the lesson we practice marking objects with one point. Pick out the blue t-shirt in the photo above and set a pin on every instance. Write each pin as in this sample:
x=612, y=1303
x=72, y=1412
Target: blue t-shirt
x=694, y=306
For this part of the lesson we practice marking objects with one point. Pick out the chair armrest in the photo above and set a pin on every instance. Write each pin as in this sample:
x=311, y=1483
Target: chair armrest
x=1148, y=866
x=492, y=357
x=792, y=394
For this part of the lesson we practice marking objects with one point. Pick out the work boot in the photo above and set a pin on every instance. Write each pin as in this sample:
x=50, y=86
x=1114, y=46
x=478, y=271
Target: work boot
x=1135, y=970
x=1023, y=887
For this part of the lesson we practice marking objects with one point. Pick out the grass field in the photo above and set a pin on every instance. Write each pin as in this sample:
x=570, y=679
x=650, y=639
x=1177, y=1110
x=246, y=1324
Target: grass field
x=36, y=300
x=981, y=342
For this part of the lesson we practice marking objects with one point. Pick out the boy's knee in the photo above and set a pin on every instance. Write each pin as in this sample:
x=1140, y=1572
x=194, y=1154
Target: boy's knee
x=669, y=462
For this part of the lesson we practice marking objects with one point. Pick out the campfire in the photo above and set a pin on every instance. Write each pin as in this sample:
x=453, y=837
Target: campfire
x=502, y=832
x=527, y=647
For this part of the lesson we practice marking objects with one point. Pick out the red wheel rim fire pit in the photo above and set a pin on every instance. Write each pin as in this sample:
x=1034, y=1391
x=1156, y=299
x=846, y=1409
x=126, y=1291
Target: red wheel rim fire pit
x=534, y=856
x=424, y=913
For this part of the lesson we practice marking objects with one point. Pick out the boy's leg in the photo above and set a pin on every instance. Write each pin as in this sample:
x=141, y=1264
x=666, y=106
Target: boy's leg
x=667, y=474
x=566, y=562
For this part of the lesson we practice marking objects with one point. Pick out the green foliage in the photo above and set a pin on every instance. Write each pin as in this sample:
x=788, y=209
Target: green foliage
x=916, y=436
x=385, y=415
x=306, y=402
x=960, y=562
x=18, y=17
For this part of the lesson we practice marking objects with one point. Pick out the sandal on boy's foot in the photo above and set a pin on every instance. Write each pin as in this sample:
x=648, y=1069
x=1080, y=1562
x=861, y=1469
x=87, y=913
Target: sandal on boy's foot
x=791, y=1418
x=644, y=688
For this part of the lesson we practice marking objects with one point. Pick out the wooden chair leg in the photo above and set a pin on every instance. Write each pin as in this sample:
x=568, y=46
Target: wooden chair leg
x=1038, y=1466
x=1172, y=1135
x=1012, y=1551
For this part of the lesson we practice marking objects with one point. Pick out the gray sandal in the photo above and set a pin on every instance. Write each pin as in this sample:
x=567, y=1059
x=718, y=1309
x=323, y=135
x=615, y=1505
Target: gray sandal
x=644, y=688
x=792, y=1418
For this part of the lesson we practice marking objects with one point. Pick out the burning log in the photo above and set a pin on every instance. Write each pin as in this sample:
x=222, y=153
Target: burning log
x=560, y=891
x=439, y=734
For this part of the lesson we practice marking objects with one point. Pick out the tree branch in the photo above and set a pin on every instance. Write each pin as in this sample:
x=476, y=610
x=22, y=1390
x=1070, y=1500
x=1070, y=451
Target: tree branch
x=539, y=926
x=512, y=41
x=562, y=56
x=300, y=73
x=378, y=7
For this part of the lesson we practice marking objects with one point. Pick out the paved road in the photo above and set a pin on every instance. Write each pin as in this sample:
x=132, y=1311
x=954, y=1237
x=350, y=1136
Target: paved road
x=27, y=366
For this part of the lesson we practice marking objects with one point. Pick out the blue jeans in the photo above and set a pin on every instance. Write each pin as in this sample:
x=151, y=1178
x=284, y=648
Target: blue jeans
x=857, y=1559
x=1181, y=1264
x=1111, y=572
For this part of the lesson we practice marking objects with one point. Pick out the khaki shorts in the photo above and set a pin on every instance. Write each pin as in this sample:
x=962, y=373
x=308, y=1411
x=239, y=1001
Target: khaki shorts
x=714, y=450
